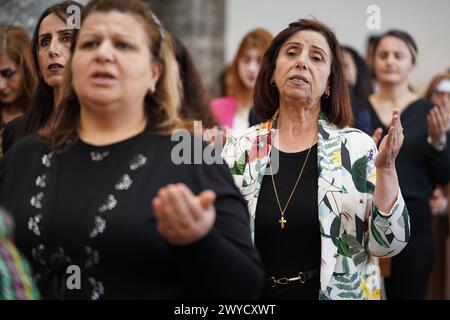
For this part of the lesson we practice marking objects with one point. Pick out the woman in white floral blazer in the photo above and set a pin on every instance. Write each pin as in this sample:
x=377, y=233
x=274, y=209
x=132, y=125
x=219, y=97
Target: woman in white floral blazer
x=359, y=212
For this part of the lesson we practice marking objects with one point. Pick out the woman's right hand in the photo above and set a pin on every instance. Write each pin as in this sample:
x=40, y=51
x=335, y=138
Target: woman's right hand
x=182, y=217
x=391, y=144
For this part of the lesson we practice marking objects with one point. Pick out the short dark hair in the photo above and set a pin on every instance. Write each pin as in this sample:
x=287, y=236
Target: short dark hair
x=403, y=36
x=337, y=107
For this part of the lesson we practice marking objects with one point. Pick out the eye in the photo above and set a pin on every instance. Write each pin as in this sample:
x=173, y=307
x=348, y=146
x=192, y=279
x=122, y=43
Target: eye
x=317, y=58
x=67, y=38
x=291, y=53
x=123, y=45
x=89, y=45
x=44, y=42
x=383, y=55
x=245, y=59
x=8, y=73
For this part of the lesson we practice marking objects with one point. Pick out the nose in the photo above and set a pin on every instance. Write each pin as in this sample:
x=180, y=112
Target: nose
x=54, y=48
x=2, y=83
x=302, y=59
x=104, y=52
x=254, y=66
x=390, y=59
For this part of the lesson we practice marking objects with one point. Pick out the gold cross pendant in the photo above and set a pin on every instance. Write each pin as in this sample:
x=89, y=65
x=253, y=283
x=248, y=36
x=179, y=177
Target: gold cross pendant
x=282, y=222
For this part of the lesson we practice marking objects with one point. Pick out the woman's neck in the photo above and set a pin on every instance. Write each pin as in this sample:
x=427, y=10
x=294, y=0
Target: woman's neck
x=56, y=95
x=100, y=126
x=9, y=112
x=398, y=96
x=298, y=126
x=244, y=100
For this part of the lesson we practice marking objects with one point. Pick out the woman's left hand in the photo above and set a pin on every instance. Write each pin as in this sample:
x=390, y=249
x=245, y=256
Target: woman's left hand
x=391, y=144
x=183, y=218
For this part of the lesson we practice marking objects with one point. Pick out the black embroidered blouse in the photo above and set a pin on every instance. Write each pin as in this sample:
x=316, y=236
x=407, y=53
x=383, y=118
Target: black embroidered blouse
x=90, y=207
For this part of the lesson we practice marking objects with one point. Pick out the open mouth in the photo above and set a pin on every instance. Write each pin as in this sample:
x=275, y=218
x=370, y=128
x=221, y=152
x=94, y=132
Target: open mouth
x=54, y=67
x=299, y=79
x=103, y=75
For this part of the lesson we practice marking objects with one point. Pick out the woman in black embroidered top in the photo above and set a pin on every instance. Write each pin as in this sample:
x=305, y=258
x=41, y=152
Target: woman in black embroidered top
x=93, y=194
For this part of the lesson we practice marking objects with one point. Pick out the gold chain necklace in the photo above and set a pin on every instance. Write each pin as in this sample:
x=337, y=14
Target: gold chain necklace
x=282, y=220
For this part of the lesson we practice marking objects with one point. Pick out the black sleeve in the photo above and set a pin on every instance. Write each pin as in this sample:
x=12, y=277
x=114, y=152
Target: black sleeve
x=3, y=168
x=9, y=133
x=224, y=264
x=15, y=165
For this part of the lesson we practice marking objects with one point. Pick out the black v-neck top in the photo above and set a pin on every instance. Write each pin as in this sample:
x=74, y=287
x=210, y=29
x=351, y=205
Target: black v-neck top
x=286, y=252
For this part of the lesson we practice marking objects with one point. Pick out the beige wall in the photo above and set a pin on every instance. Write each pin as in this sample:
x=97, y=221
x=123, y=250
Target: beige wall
x=428, y=21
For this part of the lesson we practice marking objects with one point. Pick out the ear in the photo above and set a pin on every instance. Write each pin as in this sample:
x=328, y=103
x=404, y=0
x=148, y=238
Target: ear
x=155, y=73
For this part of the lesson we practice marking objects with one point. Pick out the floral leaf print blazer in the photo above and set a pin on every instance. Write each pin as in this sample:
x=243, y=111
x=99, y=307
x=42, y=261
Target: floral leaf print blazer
x=353, y=231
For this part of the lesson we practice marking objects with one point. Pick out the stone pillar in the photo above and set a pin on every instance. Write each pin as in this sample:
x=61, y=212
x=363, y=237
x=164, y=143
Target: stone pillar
x=200, y=24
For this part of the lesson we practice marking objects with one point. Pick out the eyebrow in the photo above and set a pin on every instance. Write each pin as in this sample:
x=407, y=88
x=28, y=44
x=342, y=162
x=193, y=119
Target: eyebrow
x=93, y=33
x=300, y=44
x=59, y=32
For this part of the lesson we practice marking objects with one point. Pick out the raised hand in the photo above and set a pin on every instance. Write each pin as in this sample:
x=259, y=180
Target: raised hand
x=391, y=144
x=183, y=218
x=438, y=125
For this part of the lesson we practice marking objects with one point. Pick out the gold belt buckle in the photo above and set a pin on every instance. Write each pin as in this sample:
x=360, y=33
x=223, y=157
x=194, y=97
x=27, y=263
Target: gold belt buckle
x=301, y=277
x=282, y=281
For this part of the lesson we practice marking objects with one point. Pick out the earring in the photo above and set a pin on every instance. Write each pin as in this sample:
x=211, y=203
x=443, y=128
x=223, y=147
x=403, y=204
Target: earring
x=151, y=91
x=272, y=83
x=327, y=93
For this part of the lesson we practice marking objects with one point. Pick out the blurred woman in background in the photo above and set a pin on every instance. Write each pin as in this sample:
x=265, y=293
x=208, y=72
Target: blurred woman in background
x=422, y=162
x=358, y=78
x=194, y=101
x=438, y=93
x=235, y=110
x=50, y=47
x=18, y=78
